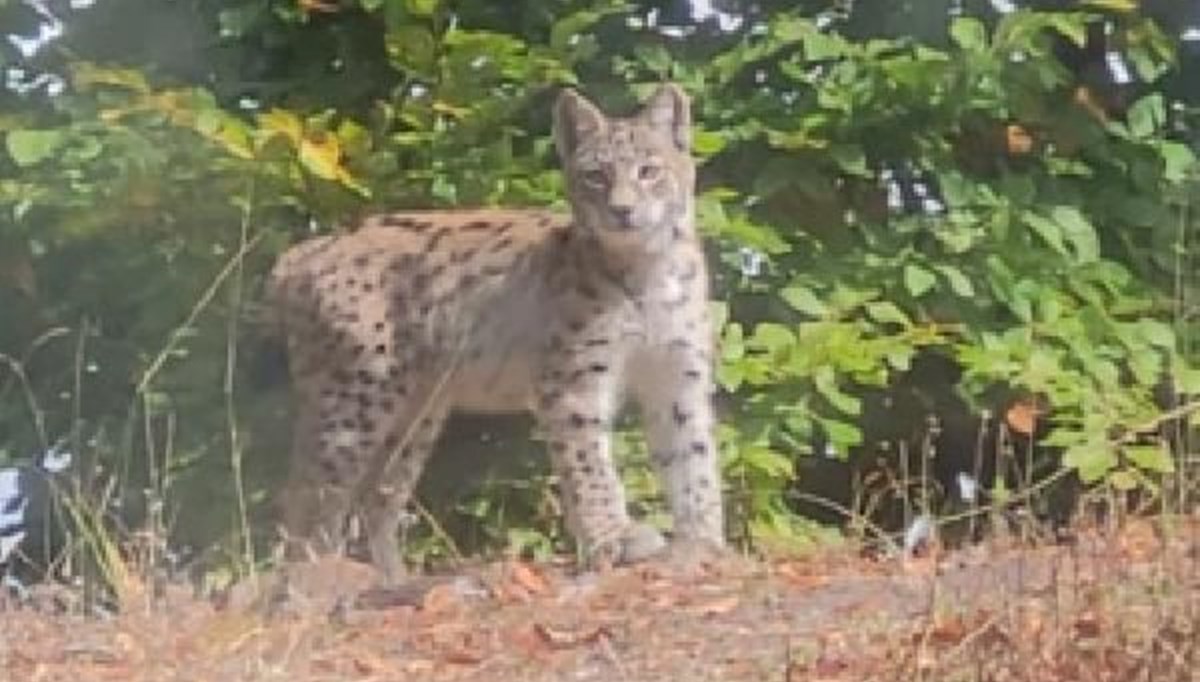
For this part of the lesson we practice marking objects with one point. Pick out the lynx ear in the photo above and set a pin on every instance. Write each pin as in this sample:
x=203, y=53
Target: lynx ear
x=575, y=118
x=669, y=111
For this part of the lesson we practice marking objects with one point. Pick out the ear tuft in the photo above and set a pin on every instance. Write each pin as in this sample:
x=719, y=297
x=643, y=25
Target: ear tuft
x=669, y=111
x=575, y=118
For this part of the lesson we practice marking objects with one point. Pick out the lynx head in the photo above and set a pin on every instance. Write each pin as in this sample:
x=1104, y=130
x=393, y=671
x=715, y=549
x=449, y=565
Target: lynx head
x=631, y=180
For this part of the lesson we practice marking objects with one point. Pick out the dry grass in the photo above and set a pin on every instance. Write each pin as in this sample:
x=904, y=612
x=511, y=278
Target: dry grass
x=1118, y=605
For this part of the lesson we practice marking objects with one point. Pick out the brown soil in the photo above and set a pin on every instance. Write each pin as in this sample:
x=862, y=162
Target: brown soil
x=1117, y=606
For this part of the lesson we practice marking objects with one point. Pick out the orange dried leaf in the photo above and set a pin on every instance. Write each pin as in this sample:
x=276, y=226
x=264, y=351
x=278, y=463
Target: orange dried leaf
x=441, y=599
x=529, y=578
x=948, y=632
x=1018, y=140
x=311, y=6
x=529, y=641
x=463, y=655
x=1022, y=416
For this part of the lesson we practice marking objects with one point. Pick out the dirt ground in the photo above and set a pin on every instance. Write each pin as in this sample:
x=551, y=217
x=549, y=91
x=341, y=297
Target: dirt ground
x=1109, y=606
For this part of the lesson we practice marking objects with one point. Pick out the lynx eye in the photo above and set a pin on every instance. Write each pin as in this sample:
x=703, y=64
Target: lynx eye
x=595, y=178
x=649, y=172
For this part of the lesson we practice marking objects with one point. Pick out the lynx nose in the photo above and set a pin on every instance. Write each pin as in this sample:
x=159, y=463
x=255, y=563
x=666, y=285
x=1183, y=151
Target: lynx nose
x=623, y=215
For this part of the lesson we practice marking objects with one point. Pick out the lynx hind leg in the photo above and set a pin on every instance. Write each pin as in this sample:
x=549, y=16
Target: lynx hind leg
x=385, y=501
x=348, y=419
x=319, y=493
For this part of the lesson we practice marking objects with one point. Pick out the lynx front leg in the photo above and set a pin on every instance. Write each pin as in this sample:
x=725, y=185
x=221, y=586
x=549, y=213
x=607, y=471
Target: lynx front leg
x=674, y=390
x=576, y=404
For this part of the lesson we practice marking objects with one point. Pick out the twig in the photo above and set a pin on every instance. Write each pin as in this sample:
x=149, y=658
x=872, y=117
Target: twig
x=231, y=266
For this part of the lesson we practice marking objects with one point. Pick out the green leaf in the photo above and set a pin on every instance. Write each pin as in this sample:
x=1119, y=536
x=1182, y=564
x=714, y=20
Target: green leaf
x=1178, y=160
x=1078, y=231
x=421, y=8
x=707, y=142
x=851, y=159
x=960, y=284
x=1074, y=27
x=918, y=280
x=804, y=300
x=411, y=47
x=1124, y=480
x=772, y=337
x=29, y=147
x=1157, y=333
x=733, y=345
x=820, y=46
x=756, y=235
x=969, y=33
x=1187, y=380
x=730, y=376
x=1156, y=458
x=886, y=312
x=767, y=461
x=826, y=384
x=1147, y=115
x=842, y=435
x=1093, y=459
x=1048, y=230
x=1146, y=64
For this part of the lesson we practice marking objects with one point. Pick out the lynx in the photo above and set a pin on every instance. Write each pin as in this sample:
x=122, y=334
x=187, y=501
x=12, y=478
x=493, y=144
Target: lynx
x=391, y=326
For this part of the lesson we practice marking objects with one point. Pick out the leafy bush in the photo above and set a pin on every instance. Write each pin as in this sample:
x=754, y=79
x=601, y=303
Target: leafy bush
x=876, y=186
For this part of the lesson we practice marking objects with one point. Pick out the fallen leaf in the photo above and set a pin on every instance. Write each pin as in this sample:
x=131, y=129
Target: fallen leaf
x=1088, y=625
x=530, y=579
x=947, y=632
x=441, y=599
x=561, y=638
x=1139, y=541
x=463, y=656
x=829, y=665
x=797, y=576
x=366, y=664
x=529, y=641
x=717, y=606
x=420, y=666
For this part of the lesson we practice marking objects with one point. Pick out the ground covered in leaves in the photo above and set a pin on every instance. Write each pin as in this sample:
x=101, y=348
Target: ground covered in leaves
x=1120, y=605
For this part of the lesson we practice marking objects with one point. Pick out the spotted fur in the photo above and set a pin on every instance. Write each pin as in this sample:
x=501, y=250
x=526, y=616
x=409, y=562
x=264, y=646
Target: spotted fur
x=412, y=315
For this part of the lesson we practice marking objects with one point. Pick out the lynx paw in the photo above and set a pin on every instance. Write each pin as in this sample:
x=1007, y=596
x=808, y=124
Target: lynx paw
x=638, y=542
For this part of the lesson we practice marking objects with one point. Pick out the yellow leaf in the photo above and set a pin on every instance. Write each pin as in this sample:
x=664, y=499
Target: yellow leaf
x=1113, y=5
x=284, y=123
x=232, y=137
x=84, y=74
x=322, y=156
x=450, y=109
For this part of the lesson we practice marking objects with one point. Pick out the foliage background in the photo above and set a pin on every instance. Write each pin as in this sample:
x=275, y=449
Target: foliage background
x=882, y=182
